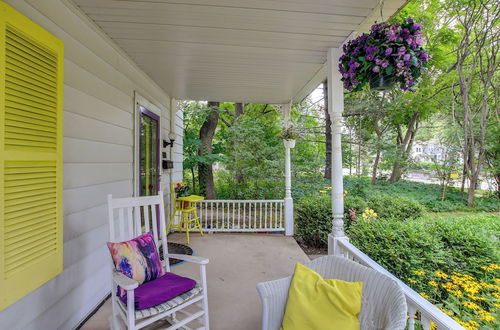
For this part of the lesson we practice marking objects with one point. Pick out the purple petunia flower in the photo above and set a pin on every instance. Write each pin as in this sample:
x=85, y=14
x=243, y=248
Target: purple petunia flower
x=398, y=46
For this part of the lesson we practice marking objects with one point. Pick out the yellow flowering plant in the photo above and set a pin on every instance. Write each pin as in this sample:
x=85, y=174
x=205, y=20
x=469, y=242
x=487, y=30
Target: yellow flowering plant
x=369, y=214
x=474, y=302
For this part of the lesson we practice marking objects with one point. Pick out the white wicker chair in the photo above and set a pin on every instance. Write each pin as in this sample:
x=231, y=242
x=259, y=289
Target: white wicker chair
x=383, y=302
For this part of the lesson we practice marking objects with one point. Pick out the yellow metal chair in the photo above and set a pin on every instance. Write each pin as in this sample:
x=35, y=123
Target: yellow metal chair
x=185, y=210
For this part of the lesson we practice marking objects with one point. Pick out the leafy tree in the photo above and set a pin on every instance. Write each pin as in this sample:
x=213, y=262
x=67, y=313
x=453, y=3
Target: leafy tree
x=477, y=64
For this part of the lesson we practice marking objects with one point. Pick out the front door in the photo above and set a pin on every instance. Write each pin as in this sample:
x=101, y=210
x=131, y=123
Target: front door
x=149, y=152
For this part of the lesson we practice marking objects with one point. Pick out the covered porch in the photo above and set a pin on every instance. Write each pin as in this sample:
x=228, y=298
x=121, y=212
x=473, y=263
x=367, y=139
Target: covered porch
x=255, y=51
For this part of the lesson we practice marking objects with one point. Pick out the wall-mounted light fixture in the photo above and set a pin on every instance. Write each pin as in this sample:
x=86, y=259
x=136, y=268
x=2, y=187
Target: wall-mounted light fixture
x=171, y=137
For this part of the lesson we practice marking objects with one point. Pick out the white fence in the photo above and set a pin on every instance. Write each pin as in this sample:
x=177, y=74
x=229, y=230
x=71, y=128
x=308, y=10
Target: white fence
x=241, y=215
x=419, y=309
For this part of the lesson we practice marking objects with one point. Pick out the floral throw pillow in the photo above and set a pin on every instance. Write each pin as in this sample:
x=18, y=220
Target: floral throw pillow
x=137, y=258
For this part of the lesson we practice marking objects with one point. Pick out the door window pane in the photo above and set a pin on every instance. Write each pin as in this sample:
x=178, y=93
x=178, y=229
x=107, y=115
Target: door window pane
x=148, y=150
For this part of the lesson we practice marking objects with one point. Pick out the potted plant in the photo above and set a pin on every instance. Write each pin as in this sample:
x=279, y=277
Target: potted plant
x=289, y=135
x=182, y=190
x=390, y=54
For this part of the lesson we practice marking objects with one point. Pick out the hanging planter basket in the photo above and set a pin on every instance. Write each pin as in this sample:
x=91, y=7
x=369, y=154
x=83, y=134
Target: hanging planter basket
x=389, y=55
x=381, y=82
x=289, y=143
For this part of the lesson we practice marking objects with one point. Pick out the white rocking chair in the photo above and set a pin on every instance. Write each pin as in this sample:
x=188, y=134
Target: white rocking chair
x=132, y=220
x=383, y=304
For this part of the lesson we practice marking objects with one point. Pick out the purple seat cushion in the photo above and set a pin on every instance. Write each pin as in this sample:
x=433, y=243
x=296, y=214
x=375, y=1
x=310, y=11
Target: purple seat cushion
x=158, y=291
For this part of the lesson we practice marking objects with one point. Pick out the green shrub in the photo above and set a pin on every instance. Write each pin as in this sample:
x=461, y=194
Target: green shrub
x=398, y=246
x=314, y=214
x=314, y=220
x=394, y=207
x=430, y=244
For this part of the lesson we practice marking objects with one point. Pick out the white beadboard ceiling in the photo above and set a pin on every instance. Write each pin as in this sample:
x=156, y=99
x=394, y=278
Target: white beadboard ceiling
x=261, y=51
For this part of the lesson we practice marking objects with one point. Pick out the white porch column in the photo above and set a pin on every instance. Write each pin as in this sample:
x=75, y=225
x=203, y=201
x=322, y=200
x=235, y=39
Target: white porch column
x=335, y=108
x=289, y=224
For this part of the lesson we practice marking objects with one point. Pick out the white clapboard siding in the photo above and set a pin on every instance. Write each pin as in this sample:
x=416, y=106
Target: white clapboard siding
x=76, y=224
x=99, y=86
x=65, y=308
x=78, y=199
x=41, y=301
x=79, y=78
x=83, y=245
x=77, y=101
x=78, y=126
x=86, y=151
x=86, y=174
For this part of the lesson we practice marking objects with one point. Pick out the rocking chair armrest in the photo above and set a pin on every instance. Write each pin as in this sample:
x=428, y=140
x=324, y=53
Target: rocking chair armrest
x=188, y=258
x=124, y=282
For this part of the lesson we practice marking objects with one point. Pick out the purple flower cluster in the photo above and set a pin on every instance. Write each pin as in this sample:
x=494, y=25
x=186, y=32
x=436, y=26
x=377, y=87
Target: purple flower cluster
x=393, y=50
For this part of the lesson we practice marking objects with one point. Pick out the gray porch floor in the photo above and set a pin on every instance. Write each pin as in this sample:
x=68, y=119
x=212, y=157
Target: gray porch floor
x=237, y=263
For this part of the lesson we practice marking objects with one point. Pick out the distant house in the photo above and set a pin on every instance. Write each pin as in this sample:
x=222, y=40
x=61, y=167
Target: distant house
x=427, y=151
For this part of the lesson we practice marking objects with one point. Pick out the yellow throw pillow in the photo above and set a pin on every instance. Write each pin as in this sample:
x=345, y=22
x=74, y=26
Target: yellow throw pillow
x=318, y=304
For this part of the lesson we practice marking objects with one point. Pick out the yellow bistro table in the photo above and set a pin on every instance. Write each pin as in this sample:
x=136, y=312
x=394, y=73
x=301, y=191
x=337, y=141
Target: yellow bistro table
x=185, y=209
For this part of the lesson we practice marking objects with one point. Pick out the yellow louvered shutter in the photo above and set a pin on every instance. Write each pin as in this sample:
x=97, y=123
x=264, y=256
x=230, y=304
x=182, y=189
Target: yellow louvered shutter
x=31, y=90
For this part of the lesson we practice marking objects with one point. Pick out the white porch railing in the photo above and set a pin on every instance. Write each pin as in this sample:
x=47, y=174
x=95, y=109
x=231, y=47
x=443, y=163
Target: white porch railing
x=241, y=215
x=419, y=309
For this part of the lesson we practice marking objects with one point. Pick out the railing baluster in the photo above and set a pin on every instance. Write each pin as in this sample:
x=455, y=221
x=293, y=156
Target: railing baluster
x=205, y=218
x=273, y=215
x=426, y=323
x=260, y=215
x=411, y=317
x=223, y=215
x=255, y=215
x=265, y=215
x=277, y=205
x=217, y=215
x=233, y=220
x=281, y=215
x=239, y=215
x=244, y=214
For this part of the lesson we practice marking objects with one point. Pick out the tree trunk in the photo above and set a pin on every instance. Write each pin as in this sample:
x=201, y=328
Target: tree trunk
x=328, y=135
x=375, y=166
x=404, y=147
x=464, y=175
x=444, y=186
x=471, y=191
x=194, y=183
x=205, y=171
x=238, y=111
x=379, y=131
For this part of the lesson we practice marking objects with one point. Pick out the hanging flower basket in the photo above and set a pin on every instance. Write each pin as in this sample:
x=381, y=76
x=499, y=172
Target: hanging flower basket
x=289, y=143
x=390, y=54
x=289, y=135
